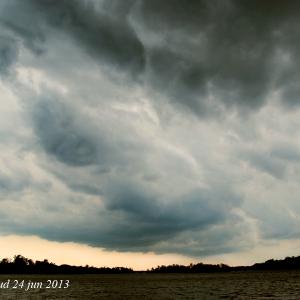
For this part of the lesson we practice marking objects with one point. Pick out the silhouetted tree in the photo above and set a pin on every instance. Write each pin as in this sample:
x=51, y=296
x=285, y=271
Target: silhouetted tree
x=21, y=264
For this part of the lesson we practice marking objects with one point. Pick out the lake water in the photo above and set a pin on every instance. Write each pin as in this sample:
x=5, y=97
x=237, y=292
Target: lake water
x=239, y=285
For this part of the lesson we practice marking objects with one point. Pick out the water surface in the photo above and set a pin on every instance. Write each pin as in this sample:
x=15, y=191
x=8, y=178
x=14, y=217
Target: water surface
x=235, y=285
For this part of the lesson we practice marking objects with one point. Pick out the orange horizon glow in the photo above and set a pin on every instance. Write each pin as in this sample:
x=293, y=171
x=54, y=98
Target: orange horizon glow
x=71, y=253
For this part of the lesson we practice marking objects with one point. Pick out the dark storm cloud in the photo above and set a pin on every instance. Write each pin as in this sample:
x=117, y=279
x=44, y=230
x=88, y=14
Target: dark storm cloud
x=135, y=214
x=223, y=237
x=201, y=54
x=74, y=138
x=225, y=49
x=147, y=219
x=106, y=37
x=126, y=180
x=60, y=136
x=135, y=220
x=26, y=24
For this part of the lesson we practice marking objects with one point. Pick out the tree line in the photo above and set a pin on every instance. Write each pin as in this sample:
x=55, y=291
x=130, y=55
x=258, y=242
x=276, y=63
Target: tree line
x=22, y=265
x=289, y=263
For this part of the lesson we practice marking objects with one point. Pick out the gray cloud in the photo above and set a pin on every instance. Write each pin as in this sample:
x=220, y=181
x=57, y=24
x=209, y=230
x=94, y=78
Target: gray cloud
x=141, y=222
x=104, y=92
x=8, y=53
x=134, y=213
x=275, y=160
x=286, y=153
x=204, y=57
x=103, y=36
x=226, y=51
x=265, y=162
x=60, y=136
x=11, y=184
x=149, y=219
x=230, y=52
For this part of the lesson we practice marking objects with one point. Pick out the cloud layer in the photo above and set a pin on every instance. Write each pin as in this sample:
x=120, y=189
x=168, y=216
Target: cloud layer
x=150, y=125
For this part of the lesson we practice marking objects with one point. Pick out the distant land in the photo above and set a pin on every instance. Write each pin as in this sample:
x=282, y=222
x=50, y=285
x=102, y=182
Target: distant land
x=22, y=265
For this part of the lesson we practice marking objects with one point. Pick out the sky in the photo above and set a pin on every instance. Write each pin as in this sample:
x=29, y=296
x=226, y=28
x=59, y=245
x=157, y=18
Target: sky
x=140, y=132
